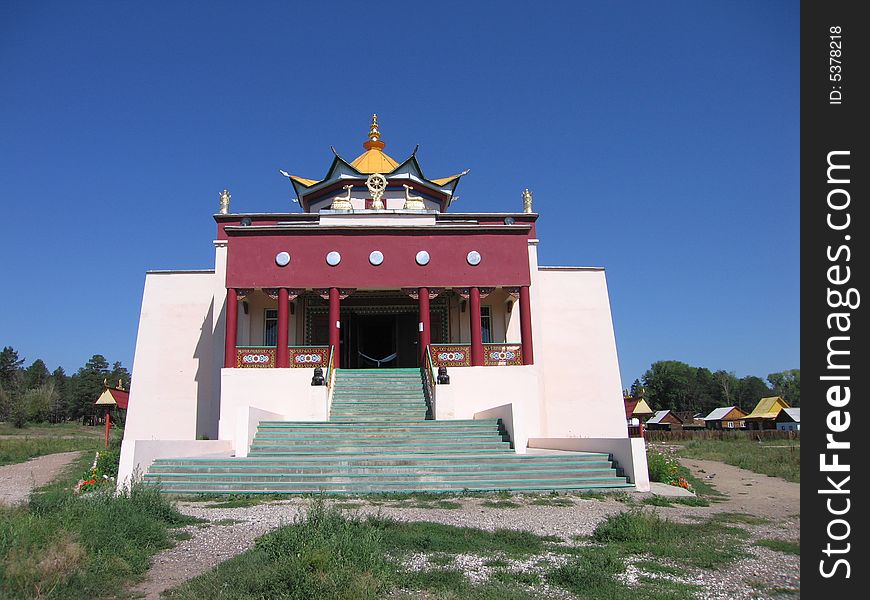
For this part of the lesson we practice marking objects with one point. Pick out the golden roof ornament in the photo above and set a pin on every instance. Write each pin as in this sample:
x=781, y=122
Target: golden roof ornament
x=412, y=202
x=374, y=140
x=342, y=202
x=377, y=184
x=527, y=201
x=225, y=202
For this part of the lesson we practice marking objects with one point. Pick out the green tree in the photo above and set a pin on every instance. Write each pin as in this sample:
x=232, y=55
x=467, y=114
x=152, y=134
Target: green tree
x=750, y=390
x=727, y=384
x=10, y=365
x=86, y=385
x=36, y=375
x=788, y=385
x=669, y=384
x=61, y=401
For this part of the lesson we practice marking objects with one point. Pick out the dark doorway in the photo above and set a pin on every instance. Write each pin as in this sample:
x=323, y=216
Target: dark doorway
x=375, y=339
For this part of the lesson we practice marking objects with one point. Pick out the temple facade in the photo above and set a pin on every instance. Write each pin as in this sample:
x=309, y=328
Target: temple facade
x=376, y=273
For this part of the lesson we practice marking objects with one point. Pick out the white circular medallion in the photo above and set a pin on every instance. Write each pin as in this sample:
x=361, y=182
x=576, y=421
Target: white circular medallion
x=282, y=259
x=376, y=257
x=473, y=258
x=422, y=258
x=333, y=258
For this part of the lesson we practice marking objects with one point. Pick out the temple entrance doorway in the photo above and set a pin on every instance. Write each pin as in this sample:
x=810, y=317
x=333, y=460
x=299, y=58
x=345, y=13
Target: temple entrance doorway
x=381, y=340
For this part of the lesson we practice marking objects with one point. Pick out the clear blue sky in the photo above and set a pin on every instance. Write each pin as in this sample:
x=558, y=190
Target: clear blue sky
x=660, y=140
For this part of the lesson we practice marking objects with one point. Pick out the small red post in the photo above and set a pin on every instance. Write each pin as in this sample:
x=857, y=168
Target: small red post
x=108, y=423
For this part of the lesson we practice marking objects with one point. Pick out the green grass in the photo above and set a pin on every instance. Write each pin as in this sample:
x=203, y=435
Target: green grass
x=676, y=500
x=705, y=545
x=785, y=546
x=61, y=546
x=500, y=504
x=557, y=501
x=330, y=554
x=777, y=458
x=435, y=504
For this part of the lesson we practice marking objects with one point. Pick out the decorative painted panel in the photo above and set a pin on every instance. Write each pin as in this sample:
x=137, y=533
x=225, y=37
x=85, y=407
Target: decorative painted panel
x=308, y=357
x=255, y=358
x=452, y=355
x=502, y=354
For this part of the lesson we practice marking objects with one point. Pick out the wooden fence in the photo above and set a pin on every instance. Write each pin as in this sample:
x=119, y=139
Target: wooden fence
x=720, y=434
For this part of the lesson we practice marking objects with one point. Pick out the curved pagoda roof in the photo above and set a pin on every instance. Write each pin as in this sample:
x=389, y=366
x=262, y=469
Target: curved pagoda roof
x=373, y=160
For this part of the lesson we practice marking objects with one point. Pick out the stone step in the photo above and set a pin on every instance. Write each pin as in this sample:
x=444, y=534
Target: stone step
x=399, y=487
x=414, y=425
x=389, y=470
x=397, y=459
x=434, y=437
x=350, y=477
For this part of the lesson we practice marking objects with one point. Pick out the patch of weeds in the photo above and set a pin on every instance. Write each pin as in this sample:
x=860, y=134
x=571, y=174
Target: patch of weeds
x=227, y=522
x=654, y=567
x=244, y=500
x=678, y=500
x=512, y=577
x=733, y=517
x=496, y=562
x=785, y=546
x=557, y=501
x=429, y=537
x=349, y=505
x=180, y=536
x=706, y=545
x=64, y=546
x=441, y=560
x=436, y=504
x=500, y=504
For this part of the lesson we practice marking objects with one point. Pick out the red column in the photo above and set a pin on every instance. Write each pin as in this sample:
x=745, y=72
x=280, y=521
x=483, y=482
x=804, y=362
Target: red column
x=526, y=326
x=476, y=336
x=334, y=324
x=232, y=327
x=425, y=334
x=283, y=324
x=108, y=424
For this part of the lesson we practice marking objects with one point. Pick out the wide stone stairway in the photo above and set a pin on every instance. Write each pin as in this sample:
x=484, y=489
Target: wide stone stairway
x=378, y=440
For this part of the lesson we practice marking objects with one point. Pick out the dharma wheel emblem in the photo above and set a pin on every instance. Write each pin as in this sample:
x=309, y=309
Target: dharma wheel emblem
x=376, y=183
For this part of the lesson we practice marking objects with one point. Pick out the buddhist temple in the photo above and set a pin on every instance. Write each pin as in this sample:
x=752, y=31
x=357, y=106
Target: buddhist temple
x=375, y=340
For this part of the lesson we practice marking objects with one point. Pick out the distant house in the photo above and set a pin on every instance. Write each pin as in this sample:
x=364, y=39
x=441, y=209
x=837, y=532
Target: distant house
x=665, y=420
x=789, y=419
x=113, y=397
x=764, y=415
x=690, y=419
x=726, y=417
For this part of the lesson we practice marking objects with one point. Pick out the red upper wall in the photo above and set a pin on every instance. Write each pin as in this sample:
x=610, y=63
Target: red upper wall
x=251, y=258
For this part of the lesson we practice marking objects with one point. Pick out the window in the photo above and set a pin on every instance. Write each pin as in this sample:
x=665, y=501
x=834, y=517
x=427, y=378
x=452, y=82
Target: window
x=730, y=424
x=270, y=327
x=486, y=324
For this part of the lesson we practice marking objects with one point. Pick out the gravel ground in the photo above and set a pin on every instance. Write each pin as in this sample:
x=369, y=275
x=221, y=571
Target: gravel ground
x=762, y=575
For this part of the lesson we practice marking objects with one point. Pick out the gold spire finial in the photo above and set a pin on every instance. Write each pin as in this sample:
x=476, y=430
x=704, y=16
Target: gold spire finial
x=527, y=201
x=225, y=202
x=374, y=141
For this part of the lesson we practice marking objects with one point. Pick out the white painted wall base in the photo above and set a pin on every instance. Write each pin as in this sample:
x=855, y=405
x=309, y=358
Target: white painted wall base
x=286, y=392
x=137, y=455
x=503, y=392
x=247, y=421
x=630, y=453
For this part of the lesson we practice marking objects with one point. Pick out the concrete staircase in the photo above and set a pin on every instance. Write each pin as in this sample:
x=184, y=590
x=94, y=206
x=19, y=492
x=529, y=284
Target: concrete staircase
x=377, y=440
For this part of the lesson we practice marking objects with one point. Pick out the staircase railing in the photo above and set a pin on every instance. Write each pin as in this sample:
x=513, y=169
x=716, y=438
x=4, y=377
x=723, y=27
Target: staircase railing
x=329, y=378
x=428, y=372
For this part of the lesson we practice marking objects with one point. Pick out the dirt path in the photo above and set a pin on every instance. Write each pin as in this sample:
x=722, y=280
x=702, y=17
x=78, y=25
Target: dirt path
x=18, y=480
x=747, y=492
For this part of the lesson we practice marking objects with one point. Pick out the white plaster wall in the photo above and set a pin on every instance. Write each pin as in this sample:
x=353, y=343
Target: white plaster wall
x=138, y=455
x=574, y=345
x=247, y=422
x=173, y=397
x=286, y=392
x=474, y=390
x=629, y=453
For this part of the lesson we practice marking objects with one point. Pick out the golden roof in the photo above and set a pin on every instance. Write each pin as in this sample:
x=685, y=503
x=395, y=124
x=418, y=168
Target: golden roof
x=374, y=159
x=768, y=408
x=303, y=181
